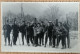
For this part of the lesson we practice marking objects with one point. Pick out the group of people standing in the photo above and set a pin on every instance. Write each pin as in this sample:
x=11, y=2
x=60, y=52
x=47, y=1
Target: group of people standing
x=37, y=33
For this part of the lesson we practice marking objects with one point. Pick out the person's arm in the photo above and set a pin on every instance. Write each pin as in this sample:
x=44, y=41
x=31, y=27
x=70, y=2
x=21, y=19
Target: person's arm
x=10, y=28
x=4, y=30
x=3, y=27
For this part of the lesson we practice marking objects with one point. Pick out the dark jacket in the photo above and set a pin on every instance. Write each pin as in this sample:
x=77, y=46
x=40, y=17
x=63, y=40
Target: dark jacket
x=30, y=30
x=49, y=29
x=15, y=30
x=23, y=29
x=7, y=29
x=54, y=30
x=66, y=27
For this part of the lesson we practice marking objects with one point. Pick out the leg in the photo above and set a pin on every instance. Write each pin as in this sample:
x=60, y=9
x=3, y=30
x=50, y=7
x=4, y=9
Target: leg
x=37, y=40
x=31, y=39
x=5, y=39
x=27, y=39
x=54, y=41
x=50, y=41
x=63, y=42
x=43, y=39
x=58, y=40
x=39, y=36
x=68, y=40
x=40, y=39
x=9, y=40
x=22, y=39
x=46, y=40
x=14, y=40
x=34, y=40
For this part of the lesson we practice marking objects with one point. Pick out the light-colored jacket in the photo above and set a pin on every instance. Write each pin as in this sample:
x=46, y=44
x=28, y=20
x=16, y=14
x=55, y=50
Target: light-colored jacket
x=35, y=31
x=39, y=30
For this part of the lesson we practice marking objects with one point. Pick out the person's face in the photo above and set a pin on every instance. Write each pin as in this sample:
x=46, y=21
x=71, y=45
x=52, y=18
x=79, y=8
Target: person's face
x=10, y=23
x=42, y=23
x=48, y=24
x=23, y=22
x=7, y=22
x=15, y=22
x=59, y=24
x=56, y=20
x=28, y=24
x=53, y=23
x=38, y=25
x=19, y=24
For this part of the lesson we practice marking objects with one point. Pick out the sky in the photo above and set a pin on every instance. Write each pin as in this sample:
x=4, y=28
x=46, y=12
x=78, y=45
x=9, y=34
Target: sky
x=37, y=8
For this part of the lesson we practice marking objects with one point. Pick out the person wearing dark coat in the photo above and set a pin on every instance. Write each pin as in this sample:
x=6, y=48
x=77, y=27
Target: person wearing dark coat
x=42, y=33
x=35, y=35
x=61, y=35
x=29, y=33
x=67, y=27
x=64, y=33
x=23, y=31
x=54, y=36
x=32, y=33
x=58, y=33
x=49, y=34
x=15, y=28
x=7, y=30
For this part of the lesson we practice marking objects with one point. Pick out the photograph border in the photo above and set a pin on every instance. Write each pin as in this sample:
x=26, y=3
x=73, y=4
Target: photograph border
x=38, y=1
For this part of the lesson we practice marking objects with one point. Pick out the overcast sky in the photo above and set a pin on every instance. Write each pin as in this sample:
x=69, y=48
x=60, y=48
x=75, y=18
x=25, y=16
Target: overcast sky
x=37, y=8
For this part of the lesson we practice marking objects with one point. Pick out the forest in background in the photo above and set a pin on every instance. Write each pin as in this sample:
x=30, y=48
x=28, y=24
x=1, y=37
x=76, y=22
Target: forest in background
x=50, y=14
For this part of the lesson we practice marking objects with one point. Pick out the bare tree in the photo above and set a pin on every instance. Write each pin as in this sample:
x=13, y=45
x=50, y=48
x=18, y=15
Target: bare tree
x=52, y=13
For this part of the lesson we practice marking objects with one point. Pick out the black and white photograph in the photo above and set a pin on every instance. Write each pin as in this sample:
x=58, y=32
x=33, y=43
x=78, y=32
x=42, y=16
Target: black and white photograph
x=40, y=27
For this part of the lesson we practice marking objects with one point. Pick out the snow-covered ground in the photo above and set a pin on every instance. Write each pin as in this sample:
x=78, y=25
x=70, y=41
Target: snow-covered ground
x=24, y=48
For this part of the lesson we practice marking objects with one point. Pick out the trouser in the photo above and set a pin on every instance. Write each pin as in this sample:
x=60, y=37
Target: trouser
x=50, y=38
x=23, y=34
x=53, y=40
x=41, y=38
x=8, y=36
x=59, y=37
x=29, y=38
x=15, y=38
x=68, y=40
x=35, y=40
x=63, y=41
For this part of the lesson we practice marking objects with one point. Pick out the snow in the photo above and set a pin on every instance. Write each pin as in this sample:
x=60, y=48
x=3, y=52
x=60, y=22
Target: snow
x=24, y=48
